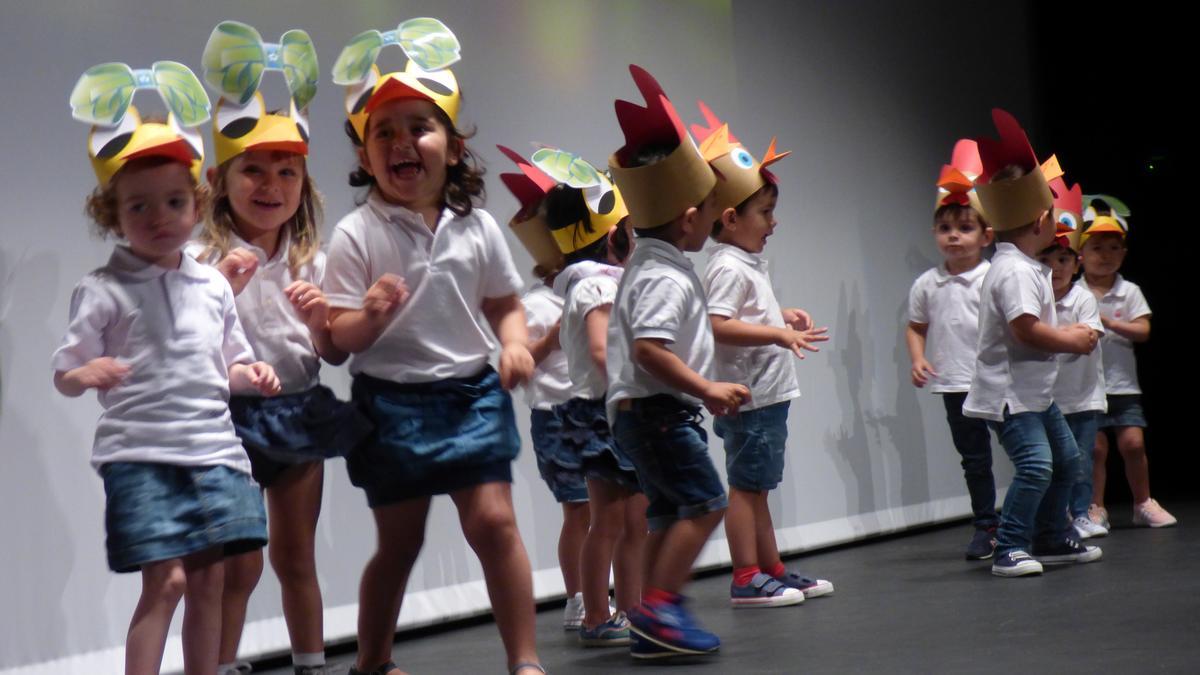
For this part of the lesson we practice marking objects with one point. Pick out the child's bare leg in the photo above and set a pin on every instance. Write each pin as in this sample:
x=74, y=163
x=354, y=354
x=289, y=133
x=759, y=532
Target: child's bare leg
x=741, y=530
x=607, y=523
x=576, y=519
x=400, y=529
x=294, y=504
x=163, y=584
x=1132, y=444
x=680, y=547
x=242, y=573
x=490, y=526
x=650, y=554
x=627, y=563
x=205, y=575
x=1099, y=467
x=764, y=533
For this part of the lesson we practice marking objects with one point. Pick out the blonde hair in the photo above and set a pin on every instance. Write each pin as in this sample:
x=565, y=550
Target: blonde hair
x=101, y=204
x=302, y=229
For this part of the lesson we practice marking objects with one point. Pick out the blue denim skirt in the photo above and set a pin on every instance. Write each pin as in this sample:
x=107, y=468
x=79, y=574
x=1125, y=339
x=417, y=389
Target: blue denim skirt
x=432, y=438
x=587, y=434
x=558, y=465
x=1124, y=410
x=156, y=512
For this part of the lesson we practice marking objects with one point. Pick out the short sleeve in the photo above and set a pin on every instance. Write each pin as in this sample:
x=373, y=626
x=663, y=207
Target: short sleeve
x=659, y=310
x=918, y=302
x=235, y=347
x=92, y=311
x=592, y=293
x=540, y=314
x=725, y=288
x=1018, y=293
x=1089, y=312
x=345, y=278
x=500, y=276
x=316, y=268
x=1136, y=305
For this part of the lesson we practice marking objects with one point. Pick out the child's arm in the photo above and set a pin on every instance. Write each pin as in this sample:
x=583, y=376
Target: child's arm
x=797, y=319
x=1074, y=339
x=922, y=369
x=257, y=376
x=102, y=373
x=544, y=346
x=355, y=330
x=721, y=398
x=238, y=267
x=737, y=333
x=313, y=308
x=1137, y=330
x=506, y=316
x=596, y=322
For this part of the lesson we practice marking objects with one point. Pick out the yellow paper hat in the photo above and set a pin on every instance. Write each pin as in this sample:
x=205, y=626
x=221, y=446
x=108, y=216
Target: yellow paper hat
x=956, y=183
x=431, y=49
x=1095, y=221
x=1011, y=204
x=103, y=98
x=235, y=59
x=739, y=175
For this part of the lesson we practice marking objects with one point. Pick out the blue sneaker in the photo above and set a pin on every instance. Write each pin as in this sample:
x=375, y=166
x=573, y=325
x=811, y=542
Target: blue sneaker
x=764, y=591
x=641, y=648
x=810, y=587
x=612, y=633
x=983, y=544
x=1015, y=564
x=1066, y=551
x=671, y=626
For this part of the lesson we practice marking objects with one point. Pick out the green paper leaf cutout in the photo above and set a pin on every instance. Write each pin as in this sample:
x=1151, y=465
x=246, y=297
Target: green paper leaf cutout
x=299, y=59
x=182, y=92
x=357, y=57
x=428, y=43
x=1115, y=205
x=102, y=94
x=566, y=167
x=234, y=60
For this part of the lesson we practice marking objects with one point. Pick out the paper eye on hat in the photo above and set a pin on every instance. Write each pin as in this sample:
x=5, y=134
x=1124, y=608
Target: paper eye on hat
x=739, y=175
x=1104, y=213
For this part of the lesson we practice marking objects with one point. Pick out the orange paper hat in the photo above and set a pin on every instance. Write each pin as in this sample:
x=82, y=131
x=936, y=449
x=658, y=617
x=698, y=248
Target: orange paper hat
x=1010, y=204
x=956, y=184
x=739, y=175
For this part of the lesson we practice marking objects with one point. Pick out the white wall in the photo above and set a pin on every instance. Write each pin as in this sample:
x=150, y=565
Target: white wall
x=869, y=95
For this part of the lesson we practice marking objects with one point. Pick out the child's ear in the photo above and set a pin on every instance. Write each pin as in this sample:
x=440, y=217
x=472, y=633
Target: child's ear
x=455, y=151
x=361, y=151
x=211, y=175
x=989, y=235
x=729, y=219
x=687, y=221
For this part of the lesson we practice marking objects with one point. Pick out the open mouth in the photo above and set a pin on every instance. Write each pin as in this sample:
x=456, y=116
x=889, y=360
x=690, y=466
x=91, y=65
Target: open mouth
x=266, y=203
x=405, y=169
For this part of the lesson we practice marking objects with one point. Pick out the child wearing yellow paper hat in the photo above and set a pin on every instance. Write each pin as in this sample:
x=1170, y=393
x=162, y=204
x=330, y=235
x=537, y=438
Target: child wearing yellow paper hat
x=660, y=363
x=156, y=334
x=1126, y=316
x=412, y=275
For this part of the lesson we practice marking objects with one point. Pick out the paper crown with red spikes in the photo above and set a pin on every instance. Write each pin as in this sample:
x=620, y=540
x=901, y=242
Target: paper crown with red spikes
x=530, y=187
x=1010, y=204
x=657, y=193
x=956, y=183
x=1068, y=205
x=739, y=175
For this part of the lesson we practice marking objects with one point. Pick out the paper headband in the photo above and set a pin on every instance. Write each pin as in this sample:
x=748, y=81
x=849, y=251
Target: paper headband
x=1096, y=223
x=1010, y=204
x=956, y=183
x=235, y=59
x=530, y=188
x=431, y=49
x=739, y=175
x=102, y=97
x=1068, y=205
x=656, y=194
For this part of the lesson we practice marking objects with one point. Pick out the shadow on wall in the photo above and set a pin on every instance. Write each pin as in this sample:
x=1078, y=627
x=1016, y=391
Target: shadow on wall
x=852, y=452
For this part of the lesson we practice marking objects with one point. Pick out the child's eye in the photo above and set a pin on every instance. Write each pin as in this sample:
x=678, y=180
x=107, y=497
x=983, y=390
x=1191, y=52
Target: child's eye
x=287, y=173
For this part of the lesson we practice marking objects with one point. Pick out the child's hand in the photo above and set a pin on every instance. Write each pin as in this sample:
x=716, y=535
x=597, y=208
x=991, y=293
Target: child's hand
x=724, y=398
x=258, y=376
x=103, y=373
x=516, y=365
x=310, y=304
x=799, y=340
x=922, y=370
x=797, y=319
x=1082, y=338
x=385, y=296
x=238, y=267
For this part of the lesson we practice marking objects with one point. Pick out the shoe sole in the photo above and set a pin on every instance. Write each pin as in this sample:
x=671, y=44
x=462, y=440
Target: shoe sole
x=606, y=642
x=980, y=557
x=818, y=591
x=766, y=603
x=671, y=650
x=1022, y=570
x=1090, y=556
x=1152, y=525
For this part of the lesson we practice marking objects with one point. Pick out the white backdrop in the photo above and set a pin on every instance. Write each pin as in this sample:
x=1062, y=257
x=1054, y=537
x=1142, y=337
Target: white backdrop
x=869, y=95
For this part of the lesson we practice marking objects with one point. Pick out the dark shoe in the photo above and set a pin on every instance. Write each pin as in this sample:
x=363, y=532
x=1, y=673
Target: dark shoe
x=983, y=544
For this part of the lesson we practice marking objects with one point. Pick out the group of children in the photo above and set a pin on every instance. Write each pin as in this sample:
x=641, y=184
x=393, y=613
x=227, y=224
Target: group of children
x=1018, y=345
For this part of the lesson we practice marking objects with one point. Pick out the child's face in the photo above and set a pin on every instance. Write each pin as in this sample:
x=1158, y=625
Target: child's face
x=1103, y=254
x=1063, y=264
x=749, y=230
x=264, y=189
x=701, y=226
x=960, y=236
x=407, y=151
x=156, y=210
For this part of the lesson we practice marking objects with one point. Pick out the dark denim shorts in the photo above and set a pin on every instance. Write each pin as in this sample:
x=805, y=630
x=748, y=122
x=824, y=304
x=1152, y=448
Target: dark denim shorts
x=433, y=438
x=1124, y=410
x=755, y=441
x=156, y=512
x=663, y=437
x=586, y=432
x=566, y=482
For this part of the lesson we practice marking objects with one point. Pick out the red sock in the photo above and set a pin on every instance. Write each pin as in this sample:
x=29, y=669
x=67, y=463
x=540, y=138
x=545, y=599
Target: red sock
x=778, y=570
x=655, y=597
x=743, y=575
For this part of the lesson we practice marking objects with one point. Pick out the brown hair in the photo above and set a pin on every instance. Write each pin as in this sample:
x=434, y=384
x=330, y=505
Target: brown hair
x=101, y=204
x=955, y=212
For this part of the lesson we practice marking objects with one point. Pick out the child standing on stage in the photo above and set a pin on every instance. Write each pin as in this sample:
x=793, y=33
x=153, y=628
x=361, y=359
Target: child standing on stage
x=156, y=334
x=410, y=277
x=755, y=344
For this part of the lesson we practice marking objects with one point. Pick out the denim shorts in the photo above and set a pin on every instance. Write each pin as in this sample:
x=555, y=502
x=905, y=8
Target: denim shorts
x=156, y=512
x=586, y=432
x=433, y=438
x=663, y=437
x=289, y=429
x=1124, y=410
x=566, y=483
x=755, y=441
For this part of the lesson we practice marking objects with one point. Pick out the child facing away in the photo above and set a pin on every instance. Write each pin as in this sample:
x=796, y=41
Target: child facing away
x=156, y=334
x=943, y=332
x=660, y=364
x=755, y=344
x=412, y=273
x=1126, y=318
x=1015, y=370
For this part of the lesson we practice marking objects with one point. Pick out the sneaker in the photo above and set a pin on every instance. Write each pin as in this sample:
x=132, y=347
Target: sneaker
x=236, y=668
x=672, y=627
x=1086, y=529
x=1066, y=551
x=1099, y=515
x=983, y=544
x=612, y=633
x=1150, y=514
x=810, y=587
x=310, y=670
x=641, y=648
x=573, y=613
x=764, y=591
x=1015, y=564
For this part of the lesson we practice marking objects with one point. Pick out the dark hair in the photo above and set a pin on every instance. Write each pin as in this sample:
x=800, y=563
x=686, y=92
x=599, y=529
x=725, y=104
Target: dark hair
x=565, y=209
x=740, y=209
x=464, y=181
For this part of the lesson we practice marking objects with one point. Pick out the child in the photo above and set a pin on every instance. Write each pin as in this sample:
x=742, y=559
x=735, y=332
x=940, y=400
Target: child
x=156, y=334
x=1126, y=318
x=943, y=331
x=1015, y=370
x=1079, y=389
x=262, y=234
x=660, y=363
x=755, y=343
x=550, y=384
x=410, y=276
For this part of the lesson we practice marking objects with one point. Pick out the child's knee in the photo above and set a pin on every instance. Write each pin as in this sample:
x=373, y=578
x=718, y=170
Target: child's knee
x=165, y=585
x=293, y=562
x=243, y=572
x=491, y=525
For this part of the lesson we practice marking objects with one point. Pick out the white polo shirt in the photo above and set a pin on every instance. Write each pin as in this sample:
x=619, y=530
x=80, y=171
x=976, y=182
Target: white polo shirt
x=271, y=322
x=1123, y=302
x=1007, y=373
x=659, y=297
x=949, y=305
x=440, y=332
x=178, y=330
x=550, y=384
x=1080, y=383
x=738, y=286
x=587, y=286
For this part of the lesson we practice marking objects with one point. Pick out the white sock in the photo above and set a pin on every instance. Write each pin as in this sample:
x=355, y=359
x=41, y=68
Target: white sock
x=310, y=659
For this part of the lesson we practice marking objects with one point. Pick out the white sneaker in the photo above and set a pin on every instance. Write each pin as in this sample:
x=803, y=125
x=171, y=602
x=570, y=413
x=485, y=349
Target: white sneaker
x=573, y=612
x=1086, y=529
x=1150, y=514
x=1099, y=515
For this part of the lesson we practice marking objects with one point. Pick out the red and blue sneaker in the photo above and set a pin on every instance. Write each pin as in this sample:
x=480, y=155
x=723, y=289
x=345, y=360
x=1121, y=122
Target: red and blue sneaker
x=668, y=627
